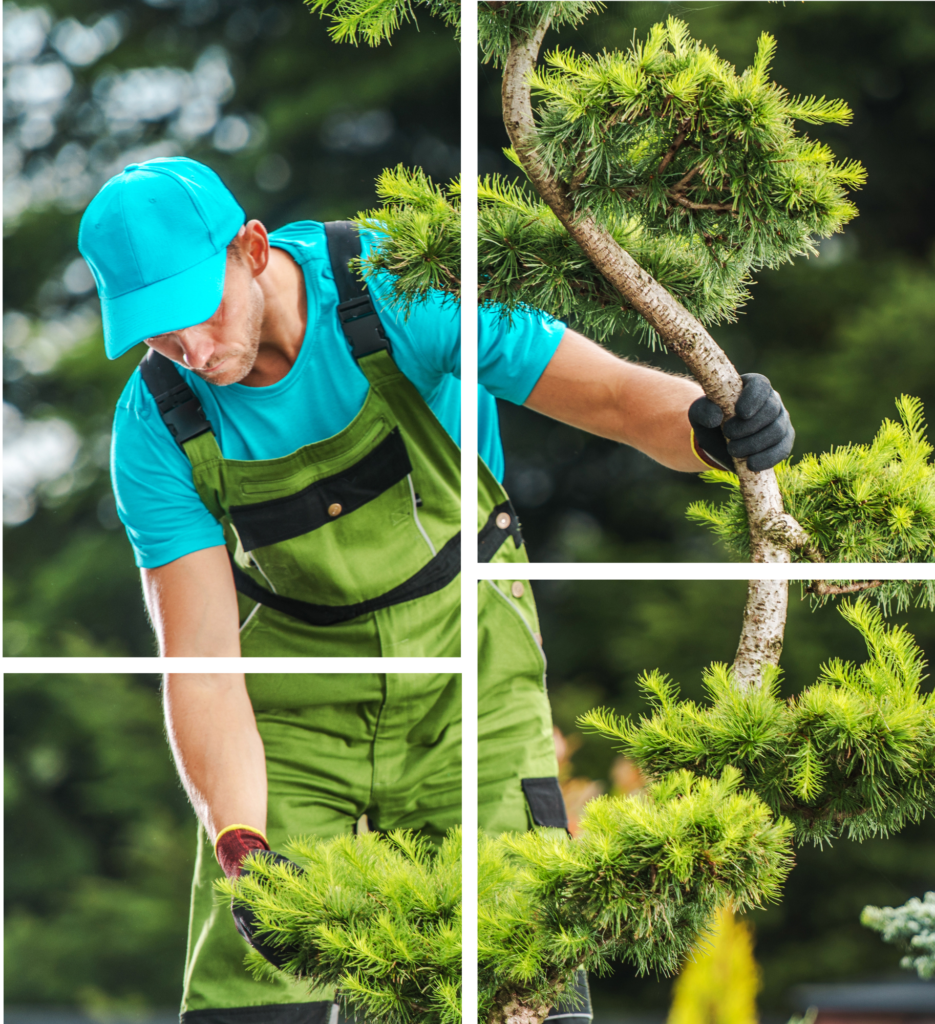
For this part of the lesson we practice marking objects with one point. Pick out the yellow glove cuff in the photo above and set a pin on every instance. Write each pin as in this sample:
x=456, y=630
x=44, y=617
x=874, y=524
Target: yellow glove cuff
x=702, y=456
x=231, y=828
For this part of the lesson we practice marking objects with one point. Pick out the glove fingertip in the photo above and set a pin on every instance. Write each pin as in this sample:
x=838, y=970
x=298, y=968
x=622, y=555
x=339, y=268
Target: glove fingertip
x=705, y=413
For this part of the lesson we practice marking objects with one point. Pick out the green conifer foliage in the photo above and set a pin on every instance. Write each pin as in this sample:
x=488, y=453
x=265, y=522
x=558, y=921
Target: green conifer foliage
x=912, y=927
x=419, y=249
x=498, y=24
x=375, y=21
x=380, y=917
x=639, y=883
x=420, y=226
x=858, y=503
x=853, y=754
x=698, y=172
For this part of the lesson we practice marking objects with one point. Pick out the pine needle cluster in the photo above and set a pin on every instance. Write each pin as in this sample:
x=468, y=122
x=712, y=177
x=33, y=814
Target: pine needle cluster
x=499, y=24
x=640, y=882
x=852, y=755
x=379, y=917
x=857, y=503
x=912, y=927
x=419, y=243
x=696, y=171
x=374, y=21
x=419, y=249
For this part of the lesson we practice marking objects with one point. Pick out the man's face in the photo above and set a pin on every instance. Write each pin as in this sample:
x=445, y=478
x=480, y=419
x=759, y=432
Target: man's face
x=221, y=350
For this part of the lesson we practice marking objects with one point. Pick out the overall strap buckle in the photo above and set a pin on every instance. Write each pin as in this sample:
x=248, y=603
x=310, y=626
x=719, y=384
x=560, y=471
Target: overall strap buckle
x=177, y=404
x=357, y=315
x=501, y=523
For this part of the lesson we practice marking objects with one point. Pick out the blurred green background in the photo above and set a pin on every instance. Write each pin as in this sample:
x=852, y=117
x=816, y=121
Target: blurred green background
x=99, y=846
x=600, y=635
x=297, y=126
x=840, y=335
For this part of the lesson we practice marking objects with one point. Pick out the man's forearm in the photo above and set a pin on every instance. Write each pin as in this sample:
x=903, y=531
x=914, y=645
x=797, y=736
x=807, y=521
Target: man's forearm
x=586, y=386
x=217, y=749
x=653, y=417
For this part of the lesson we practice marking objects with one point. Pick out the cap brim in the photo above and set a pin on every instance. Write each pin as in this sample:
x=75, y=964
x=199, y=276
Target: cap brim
x=178, y=302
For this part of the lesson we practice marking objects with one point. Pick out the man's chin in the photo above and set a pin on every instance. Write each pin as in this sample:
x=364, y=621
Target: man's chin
x=224, y=375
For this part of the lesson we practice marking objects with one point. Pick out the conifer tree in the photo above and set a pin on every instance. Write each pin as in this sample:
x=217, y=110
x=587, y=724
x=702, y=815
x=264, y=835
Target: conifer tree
x=912, y=928
x=734, y=784
x=663, y=180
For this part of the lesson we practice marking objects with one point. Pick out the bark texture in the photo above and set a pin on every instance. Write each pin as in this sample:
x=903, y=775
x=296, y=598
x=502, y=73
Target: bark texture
x=764, y=623
x=517, y=1012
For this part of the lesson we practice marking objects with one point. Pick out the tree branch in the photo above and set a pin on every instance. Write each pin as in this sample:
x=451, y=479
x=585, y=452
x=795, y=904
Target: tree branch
x=771, y=530
x=689, y=205
x=764, y=624
x=680, y=185
x=675, y=147
x=823, y=588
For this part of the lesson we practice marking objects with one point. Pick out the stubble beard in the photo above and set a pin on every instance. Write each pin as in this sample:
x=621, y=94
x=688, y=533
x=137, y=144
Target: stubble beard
x=244, y=359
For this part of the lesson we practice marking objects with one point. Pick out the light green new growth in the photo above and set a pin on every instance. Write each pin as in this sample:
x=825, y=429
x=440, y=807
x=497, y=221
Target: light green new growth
x=639, y=884
x=499, y=24
x=380, y=917
x=697, y=171
x=858, y=503
x=853, y=754
x=912, y=927
x=420, y=236
x=374, y=21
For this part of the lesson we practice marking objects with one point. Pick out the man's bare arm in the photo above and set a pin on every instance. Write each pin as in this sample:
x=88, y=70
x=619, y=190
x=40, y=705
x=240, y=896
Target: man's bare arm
x=586, y=386
x=217, y=749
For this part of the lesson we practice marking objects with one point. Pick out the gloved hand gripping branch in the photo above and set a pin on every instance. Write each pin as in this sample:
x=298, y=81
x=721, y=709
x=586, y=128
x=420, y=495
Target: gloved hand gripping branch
x=232, y=846
x=759, y=431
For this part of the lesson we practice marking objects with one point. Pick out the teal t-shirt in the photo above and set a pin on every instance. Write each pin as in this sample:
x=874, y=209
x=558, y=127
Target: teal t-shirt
x=319, y=396
x=511, y=355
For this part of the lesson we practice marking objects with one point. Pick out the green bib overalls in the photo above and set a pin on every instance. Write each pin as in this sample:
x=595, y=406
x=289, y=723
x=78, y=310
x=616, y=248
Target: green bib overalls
x=337, y=747
x=349, y=546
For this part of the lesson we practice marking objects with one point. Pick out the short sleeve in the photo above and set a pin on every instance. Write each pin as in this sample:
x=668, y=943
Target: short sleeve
x=514, y=351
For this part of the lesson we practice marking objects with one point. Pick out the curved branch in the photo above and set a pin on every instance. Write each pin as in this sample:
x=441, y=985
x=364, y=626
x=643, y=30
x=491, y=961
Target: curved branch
x=773, y=533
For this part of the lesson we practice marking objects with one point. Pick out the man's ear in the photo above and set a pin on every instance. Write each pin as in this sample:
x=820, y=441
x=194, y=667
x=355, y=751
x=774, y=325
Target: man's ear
x=254, y=246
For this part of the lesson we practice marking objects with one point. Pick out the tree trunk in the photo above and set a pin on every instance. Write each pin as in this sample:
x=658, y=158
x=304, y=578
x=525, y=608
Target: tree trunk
x=764, y=623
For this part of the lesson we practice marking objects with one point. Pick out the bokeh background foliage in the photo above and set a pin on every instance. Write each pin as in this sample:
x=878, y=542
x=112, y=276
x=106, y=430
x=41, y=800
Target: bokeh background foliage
x=840, y=335
x=599, y=636
x=99, y=846
x=299, y=127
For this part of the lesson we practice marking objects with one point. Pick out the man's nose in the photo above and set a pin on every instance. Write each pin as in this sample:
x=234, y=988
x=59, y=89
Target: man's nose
x=197, y=353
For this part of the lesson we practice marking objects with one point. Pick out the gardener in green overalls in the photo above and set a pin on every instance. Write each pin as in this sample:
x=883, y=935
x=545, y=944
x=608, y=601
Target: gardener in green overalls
x=293, y=755
x=284, y=481
x=517, y=769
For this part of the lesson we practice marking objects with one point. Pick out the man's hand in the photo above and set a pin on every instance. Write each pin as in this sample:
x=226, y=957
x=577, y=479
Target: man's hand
x=248, y=925
x=759, y=431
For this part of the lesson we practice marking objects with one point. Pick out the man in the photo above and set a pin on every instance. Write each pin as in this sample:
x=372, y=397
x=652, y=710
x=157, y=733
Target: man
x=539, y=363
x=291, y=755
x=255, y=453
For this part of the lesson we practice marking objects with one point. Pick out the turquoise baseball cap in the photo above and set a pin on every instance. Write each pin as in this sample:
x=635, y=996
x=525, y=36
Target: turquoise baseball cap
x=155, y=238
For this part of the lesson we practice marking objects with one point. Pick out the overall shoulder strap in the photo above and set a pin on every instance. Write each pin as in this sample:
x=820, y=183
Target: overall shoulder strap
x=359, y=320
x=178, y=406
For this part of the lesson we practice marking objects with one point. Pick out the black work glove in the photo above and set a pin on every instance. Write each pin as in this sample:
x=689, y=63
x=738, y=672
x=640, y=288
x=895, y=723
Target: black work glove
x=759, y=431
x=247, y=923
